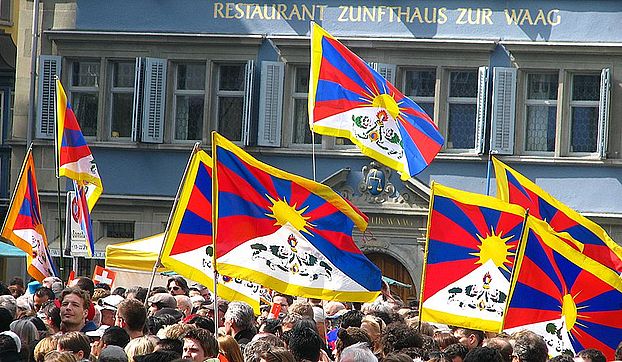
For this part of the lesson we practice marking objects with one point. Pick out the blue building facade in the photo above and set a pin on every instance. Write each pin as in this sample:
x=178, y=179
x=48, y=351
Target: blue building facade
x=535, y=82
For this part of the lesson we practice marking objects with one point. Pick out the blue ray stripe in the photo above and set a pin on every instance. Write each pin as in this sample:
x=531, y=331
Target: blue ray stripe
x=608, y=301
x=514, y=232
x=336, y=221
x=536, y=254
x=335, y=58
x=32, y=195
x=231, y=161
x=26, y=208
x=584, y=235
x=547, y=211
x=492, y=217
x=440, y=252
x=606, y=334
x=414, y=157
x=512, y=180
x=528, y=297
x=203, y=182
x=451, y=210
x=328, y=91
x=569, y=270
x=73, y=138
x=192, y=223
x=283, y=189
x=230, y=204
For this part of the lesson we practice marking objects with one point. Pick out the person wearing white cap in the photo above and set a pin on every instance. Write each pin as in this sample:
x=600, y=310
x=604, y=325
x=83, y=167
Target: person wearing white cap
x=108, y=308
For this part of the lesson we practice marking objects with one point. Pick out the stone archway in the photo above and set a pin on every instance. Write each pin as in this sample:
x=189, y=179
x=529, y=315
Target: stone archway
x=394, y=269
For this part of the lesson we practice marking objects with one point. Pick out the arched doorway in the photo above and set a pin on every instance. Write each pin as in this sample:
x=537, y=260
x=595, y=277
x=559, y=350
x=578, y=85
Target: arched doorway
x=393, y=269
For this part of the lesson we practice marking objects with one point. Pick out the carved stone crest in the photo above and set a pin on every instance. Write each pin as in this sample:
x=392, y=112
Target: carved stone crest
x=375, y=187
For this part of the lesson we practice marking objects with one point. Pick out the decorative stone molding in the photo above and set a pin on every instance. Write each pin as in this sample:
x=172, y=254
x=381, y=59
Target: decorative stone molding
x=375, y=187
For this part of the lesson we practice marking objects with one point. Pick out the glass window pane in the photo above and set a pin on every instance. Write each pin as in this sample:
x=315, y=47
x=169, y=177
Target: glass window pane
x=584, y=130
x=302, y=132
x=461, y=126
x=420, y=83
x=230, y=117
x=542, y=86
x=231, y=78
x=302, y=80
x=189, y=118
x=540, y=130
x=463, y=84
x=427, y=107
x=122, y=114
x=585, y=87
x=85, y=74
x=123, y=74
x=85, y=107
x=191, y=76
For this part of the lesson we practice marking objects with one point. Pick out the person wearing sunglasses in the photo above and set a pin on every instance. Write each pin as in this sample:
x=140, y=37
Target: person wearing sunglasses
x=177, y=285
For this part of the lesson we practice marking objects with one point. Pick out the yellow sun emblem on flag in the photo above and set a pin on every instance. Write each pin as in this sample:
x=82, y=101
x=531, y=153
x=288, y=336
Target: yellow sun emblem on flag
x=283, y=213
x=493, y=247
x=570, y=312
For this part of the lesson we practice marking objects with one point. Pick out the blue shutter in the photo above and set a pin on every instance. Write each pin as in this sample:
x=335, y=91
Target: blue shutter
x=503, y=110
x=154, y=100
x=49, y=67
x=249, y=81
x=603, y=112
x=271, y=104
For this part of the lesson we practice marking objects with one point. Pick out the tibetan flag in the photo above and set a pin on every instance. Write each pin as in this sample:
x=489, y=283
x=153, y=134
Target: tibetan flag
x=23, y=225
x=347, y=98
x=575, y=229
x=286, y=232
x=80, y=212
x=572, y=301
x=188, y=248
x=471, y=246
x=75, y=159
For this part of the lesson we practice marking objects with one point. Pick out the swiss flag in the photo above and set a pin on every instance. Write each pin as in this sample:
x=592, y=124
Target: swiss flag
x=103, y=275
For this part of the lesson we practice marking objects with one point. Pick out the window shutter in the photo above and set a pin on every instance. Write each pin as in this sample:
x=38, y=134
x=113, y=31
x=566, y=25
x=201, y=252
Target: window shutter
x=386, y=70
x=154, y=100
x=603, y=112
x=503, y=110
x=482, y=108
x=137, y=106
x=49, y=66
x=249, y=78
x=271, y=104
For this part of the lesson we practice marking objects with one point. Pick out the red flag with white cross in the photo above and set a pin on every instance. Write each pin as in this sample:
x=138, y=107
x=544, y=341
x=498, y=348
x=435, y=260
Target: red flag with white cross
x=103, y=275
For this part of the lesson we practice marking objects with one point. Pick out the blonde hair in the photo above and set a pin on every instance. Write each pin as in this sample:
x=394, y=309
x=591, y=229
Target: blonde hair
x=175, y=331
x=230, y=348
x=55, y=356
x=44, y=346
x=138, y=347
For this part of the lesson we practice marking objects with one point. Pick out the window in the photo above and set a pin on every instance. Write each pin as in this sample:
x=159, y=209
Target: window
x=84, y=90
x=230, y=100
x=189, y=101
x=420, y=87
x=116, y=229
x=121, y=100
x=541, y=112
x=584, y=112
x=300, y=116
x=5, y=10
x=462, y=109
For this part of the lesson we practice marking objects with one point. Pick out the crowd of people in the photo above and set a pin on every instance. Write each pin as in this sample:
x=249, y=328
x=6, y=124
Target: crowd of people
x=82, y=321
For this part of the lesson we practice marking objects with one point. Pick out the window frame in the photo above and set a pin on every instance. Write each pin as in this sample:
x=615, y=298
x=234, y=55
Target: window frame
x=217, y=93
x=111, y=90
x=417, y=99
x=572, y=103
x=71, y=89
x=448, y=100
x=537, y=102
x=185, y=92
x=293, y=97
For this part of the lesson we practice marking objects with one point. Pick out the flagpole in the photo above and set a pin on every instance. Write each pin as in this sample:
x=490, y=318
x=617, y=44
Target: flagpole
x=158, y=262
x=215, y=225
x=425, y=252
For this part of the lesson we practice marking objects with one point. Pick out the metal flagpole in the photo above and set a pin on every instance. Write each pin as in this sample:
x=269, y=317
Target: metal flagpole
x=157, y=264
x=215, y=226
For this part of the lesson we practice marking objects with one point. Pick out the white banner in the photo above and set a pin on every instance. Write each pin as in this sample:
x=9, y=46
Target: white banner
x=74, y=234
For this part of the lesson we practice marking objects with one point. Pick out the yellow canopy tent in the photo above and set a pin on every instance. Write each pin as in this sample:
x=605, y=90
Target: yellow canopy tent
x=133, y=261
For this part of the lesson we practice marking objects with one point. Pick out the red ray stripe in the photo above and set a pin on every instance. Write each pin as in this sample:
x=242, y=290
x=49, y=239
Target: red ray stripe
x=73, y=154
x=321, y=211
x=357, y=63
x=418, y=114
x=235, y=230
x=445, y=230
x=330, y=73
x=587, y=286
x=517, y=317
x=603, y=254
x=549, y=254
x=231, y=182
x=200, y=205
x=534, y=277
x=426, y=146
x=298, y=196
x=507, y=222
x=187, y=242
x=437, y=276
x=590, y=342
x=605, y=318
x=326, y=109
x=339, y=240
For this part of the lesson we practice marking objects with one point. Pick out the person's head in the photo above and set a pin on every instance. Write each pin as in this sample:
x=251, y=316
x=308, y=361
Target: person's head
x=25, y=330
x=284, y=300
x=56, y=356
x=84, y=283
x=618, y=352
x=184, y=304
x=9, y=303
x=351, y=318
x=230, y=348
x=177, y=285
x=483, y=354
x=470, y=338
x=18, y=283
x=304, y=309
x=276, y=354
x=76, y=343
x=112, y=354
x=304, y=343
x=239, y=317
x=160, y=301
x=138, y=347
x=358, y=352
x=115, y=336
x=44, y=346
x=199, y=345
x=74, y=308
x=8, y=348
x=398, y=336
x=502, y=345
x=349, y=336
x=444, y=339
x=131, y=315
x=529, y=347
x=590, y=355
x=169, y=344
x=42, y=296
x=562, y=358
x=397, y=357
x=456, y=352
x=289, y=320
x=139, y=293
x=202, y=322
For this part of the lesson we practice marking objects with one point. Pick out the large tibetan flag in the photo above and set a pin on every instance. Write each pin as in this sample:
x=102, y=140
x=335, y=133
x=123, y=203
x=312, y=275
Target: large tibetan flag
x=575, y=229
x=80, y=212
x=286, y=232
x=75, y=159
x=188, y=248
x=471, y=246
x=563, y=295
x=23, y=224
x=347, y=98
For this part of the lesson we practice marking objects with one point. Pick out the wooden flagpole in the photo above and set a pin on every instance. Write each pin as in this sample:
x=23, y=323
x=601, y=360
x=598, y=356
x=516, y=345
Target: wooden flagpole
x=158, y=262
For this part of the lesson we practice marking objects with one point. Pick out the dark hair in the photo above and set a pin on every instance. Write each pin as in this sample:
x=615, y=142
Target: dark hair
x=563, y=358
x=277, y=354
x=349, y=336
x=483, y=354
x=207, y=341
x=290, y=299
x=140, y=293
x=397, y=357
x=52, y=312
x=4, y=290
x=118, y=291
x=352, y=318
x=86, y=284
x=387, y=317
x=83, y=294
x=134, y=313
x=17, y=281
x=456, y=350
x=397, y=336
x=593, y=354
x=45, y=292
x=5, y=319
x=75, y=342
x=154, y=324
x=444, y=339
x=180, y=281
x=272, y=326
x=618, y=354
x=158, y=356
x=170, y=344
x=304, y=343
x=202, y=322
x=467, y=332
x=103, y=286
x=529, y=346
x=115, y=336
x=8, y=347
